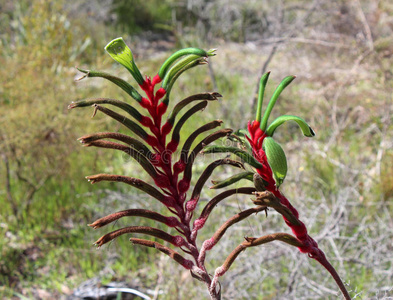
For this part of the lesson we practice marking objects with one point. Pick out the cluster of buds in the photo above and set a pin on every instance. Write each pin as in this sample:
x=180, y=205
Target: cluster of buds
x=154, y=150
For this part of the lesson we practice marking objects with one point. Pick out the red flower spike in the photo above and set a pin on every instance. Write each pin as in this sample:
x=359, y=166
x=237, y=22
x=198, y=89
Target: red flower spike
x=299, y=231
x=253, y=126
x=172, y=146
x=161, y=109
x=256, y=134
x=179, y=167
x=155, y=159
x=172, y=222
x=198, y=224
x=191, y=205
x=166, y=128
x=209, y=244
x=156, y=80
x=152, y=141
x=178, y=241
x=155, y=131
x=170, y=201
x=148, y=88
x=183, y=186
x=145, y=103
x=162, y=181
x=160, y=93
x=182, y=198
x=146, y=121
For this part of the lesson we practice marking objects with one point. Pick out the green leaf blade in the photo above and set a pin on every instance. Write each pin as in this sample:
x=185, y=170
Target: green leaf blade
x=248, y=158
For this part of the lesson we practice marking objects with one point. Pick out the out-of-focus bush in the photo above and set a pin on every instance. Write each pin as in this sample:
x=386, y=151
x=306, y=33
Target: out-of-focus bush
x=138, y=15
x=40, y=45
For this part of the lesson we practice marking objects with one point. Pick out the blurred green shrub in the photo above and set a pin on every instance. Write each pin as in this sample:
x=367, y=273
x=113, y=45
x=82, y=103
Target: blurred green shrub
x=138, y=15
x=40, y=44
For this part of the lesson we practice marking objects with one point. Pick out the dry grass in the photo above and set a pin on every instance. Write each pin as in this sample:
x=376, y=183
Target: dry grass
x=341, y=181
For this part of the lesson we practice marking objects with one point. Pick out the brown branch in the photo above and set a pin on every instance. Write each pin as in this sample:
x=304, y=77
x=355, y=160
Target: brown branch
x=10, y=198
x=179, y=106
x=169, y=221
x=327, y=265
x=233, y=220
x=258, y=182
x=252, y=242
x=198, y=148
x=136, y=144
x=210, y=243
x=139, y=184
x=188, y=264
x=175, y=240
x=134, y=153
x=266, y=198
x=217, y=199
x=200, y=222
x=209, y=170
x=187, y=144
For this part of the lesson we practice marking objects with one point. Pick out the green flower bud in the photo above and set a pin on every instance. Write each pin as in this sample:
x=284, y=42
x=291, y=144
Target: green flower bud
x=276, y=159
x=120, y=52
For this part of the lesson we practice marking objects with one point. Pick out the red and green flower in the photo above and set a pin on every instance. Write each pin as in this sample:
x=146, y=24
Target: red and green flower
x=156, y=138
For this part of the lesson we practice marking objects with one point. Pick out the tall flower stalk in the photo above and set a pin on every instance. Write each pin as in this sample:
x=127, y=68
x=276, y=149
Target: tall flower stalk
x=267, y=158
x=156, y=137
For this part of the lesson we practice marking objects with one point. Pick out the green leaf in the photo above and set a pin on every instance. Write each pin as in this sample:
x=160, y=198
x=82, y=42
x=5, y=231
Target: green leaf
x=187, y=144
x=134, y=127
x=248, y=158
x=197, y=149
x=208, y=171
x=124, y=85
x=184, y=118
x=168, y=84
x=306, y=129
x=187, y=51
x=276, y=159
x=178, y=67
x=180, y=105
x=121, y=53
x=240, y=136
x=123, y=105
x=233, y=179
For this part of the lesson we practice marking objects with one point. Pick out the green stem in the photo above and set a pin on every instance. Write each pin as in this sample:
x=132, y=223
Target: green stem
x=284, y=83
x=262, y=86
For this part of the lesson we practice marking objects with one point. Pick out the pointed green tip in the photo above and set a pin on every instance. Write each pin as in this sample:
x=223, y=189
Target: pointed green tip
x=81, y=70
x=311, y=133
x=86, y=74
x=211, y=52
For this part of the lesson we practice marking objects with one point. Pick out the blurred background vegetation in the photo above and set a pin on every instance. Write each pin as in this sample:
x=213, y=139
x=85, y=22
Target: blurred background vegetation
x=341, y=181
